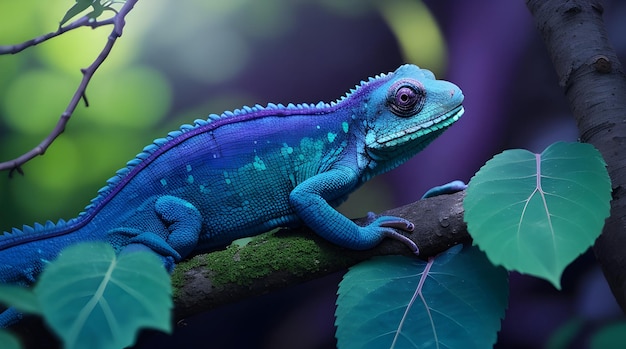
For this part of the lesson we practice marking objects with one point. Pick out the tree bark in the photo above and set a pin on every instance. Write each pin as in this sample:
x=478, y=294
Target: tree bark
x=594, y=84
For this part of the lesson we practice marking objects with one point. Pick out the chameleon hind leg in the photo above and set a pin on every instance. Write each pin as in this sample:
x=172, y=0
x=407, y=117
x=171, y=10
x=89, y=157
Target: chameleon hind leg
x=169, y=226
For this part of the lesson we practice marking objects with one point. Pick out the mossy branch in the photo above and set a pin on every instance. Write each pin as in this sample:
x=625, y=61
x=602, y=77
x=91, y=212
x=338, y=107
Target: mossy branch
x=285, y=258
x=291, y=256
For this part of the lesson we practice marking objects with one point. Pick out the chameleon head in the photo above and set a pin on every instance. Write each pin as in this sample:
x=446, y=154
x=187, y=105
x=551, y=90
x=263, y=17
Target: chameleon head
x=405, y=113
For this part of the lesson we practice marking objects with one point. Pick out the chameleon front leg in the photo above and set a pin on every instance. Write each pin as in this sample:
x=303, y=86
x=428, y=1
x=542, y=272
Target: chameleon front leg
x=170, y=228
x=448, y=188
x=310, y=202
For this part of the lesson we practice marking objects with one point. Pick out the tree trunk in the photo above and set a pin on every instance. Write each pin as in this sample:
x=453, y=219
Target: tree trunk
x=594, y=84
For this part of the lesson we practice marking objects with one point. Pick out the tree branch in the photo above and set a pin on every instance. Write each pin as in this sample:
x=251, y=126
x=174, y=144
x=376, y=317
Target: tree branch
x=594, y=84
x=81, y=22
x=118, y=22
x=285, y=258
x=288, y=257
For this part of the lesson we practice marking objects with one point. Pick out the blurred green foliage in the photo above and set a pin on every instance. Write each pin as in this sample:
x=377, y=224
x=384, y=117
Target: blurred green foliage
x=204, y=43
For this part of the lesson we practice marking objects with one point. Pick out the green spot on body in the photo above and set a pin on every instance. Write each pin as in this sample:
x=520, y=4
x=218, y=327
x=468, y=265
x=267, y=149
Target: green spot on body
x=258, y=164
x=188, y=168
x=226, y=179
x=163, y=182
x=312, y=150
x=204, y=190
x=331, y=137
x=286, y=150
x=344, y=125
x=190, y=179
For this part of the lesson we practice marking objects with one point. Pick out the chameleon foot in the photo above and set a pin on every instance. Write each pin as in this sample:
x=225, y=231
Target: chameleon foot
x=405, y=240
x=389, y=224
x=401, y=224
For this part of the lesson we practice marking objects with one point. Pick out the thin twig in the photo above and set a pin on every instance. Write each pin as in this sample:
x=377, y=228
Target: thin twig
x=81, y=22
x=118, y=22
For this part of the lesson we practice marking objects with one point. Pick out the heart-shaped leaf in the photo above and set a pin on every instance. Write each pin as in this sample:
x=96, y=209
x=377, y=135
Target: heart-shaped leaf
x=453, y=301
x=535, y=213
x=95, y=299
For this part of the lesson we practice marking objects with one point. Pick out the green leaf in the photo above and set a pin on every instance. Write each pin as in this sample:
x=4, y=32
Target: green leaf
x=610, y=337
x=535, y=213
x=8, y=341
x=98, y=9
x=454, y=301
x=19, y=297
x=94, y=299
x=565, y=335
x=80, y=6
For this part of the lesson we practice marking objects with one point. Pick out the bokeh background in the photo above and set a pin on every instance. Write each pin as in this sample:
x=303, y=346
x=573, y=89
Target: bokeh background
x=178, y=61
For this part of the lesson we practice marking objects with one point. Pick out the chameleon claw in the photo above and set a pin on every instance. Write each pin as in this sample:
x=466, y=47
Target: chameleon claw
x=405, y=240
x=398, y=223
x=390, y=223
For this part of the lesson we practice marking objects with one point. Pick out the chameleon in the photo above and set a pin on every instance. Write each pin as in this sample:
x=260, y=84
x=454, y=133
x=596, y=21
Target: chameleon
x=247, y=171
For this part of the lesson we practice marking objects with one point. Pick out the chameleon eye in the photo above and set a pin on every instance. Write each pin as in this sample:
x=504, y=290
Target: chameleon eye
x=406, y=98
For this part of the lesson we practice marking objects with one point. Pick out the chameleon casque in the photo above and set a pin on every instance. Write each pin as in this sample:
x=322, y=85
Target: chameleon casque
x=245, y=172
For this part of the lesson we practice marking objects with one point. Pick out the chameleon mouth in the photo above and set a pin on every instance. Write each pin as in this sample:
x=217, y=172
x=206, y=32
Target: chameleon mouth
x=435, y=125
